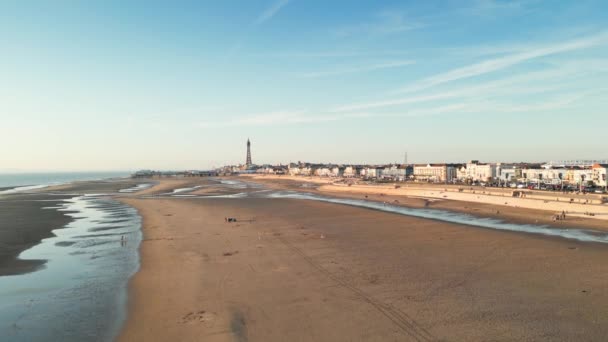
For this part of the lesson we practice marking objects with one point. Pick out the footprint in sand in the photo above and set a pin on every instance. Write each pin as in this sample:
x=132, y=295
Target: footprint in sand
x=197, y=317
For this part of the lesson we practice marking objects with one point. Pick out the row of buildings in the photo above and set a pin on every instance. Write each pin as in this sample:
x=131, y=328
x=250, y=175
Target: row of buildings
x=471, y=172
x=583, y=173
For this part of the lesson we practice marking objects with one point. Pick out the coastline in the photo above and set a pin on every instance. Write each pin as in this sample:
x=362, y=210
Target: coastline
x=296, y=268
x=432, y=197
x=24, y=223
x=66, y=261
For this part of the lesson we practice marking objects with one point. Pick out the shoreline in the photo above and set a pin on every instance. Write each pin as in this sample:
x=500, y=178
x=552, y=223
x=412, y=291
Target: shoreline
x=62, y=251
x=529, y=199
x=19, y=234
x=513, y=214
x=203, y=278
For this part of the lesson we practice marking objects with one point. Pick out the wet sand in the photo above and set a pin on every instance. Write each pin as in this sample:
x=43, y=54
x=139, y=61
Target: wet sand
x=514, y=214
x=23, y=224
x=310, y=271
x=98, y=186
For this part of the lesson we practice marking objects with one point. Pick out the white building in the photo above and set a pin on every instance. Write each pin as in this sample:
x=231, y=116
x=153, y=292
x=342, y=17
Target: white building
x=435, y=172
x=477, y=172
x=299, y=171
x=323, y=172
x=579, y=176
x=600, y=172
x=266, y=170
x=336, y=171
x=350, y=172
x=507, y=173
x=371, y=172
x=394, y=172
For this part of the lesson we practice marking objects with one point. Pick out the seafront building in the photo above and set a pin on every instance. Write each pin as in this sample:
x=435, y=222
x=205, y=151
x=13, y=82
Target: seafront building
x=398, y=172
x=371, y=172
x=567, y=174
x=600, y=176
x=439, y=173
x=474, y=171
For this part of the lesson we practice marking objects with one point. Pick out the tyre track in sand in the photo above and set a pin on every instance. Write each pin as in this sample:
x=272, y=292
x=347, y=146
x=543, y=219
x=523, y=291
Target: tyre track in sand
x=407, y=324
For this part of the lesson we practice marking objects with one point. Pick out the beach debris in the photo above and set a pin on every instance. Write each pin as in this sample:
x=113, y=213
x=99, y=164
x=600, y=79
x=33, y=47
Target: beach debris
x=230, y=253
x=322, y=236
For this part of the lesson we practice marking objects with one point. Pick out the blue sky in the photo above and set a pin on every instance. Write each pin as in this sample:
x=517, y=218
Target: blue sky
x=182, y=84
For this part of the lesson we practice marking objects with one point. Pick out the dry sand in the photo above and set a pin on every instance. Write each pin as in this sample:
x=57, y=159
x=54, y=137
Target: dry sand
x=293, y=270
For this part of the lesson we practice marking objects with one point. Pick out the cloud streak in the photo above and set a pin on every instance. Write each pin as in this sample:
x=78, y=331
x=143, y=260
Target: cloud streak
x=271, y=11
x=266, y=119
x=357, y=69
x=492, y=65
x=386, y=22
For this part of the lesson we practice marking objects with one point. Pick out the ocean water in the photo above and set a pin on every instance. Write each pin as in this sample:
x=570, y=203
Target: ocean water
x=37, y=180
x=81, y=293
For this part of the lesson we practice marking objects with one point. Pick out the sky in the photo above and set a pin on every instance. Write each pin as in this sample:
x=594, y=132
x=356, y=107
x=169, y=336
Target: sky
x=127, y=85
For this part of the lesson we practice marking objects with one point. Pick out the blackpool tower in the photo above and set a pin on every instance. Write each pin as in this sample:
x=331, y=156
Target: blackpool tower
x=248, y=163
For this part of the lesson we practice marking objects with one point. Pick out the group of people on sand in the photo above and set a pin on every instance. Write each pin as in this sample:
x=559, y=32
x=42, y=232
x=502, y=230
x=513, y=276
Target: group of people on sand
x=560, y=217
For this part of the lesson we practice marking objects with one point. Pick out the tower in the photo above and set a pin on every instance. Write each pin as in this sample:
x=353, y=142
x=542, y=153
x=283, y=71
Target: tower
x=248, y=162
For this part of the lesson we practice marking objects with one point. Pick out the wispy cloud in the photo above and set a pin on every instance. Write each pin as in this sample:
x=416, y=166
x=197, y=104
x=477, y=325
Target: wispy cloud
x=272, y=118
x=393, y=102
x=266, y=15
x=497, y=64
x=271, y=11
x=386, y=22
x=357, y=69
x=559, y=77
x=338, y=53
x=492, y=7
x=459, y=107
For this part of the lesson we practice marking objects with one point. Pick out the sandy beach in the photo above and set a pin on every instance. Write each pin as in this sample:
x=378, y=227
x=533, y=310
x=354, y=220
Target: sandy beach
x=310, y=271
x=556, y=202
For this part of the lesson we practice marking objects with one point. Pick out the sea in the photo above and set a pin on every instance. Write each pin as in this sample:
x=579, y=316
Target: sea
x=81, y=292
x=42, y=179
